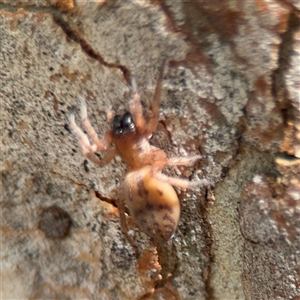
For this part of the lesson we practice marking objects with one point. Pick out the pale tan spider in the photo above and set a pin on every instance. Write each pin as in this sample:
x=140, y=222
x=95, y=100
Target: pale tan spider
x=146, y=192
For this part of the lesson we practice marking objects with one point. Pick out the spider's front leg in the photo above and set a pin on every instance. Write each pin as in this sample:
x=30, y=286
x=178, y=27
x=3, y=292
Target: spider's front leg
x=136, y=108
x=156, y=102
x=98, y=145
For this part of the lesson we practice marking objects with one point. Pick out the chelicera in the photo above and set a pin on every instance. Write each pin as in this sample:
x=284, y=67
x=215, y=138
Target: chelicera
x=147, y=193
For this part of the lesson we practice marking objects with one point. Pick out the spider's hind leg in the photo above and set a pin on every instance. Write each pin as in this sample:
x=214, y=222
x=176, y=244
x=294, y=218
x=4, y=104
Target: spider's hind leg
x=183, y=161
x=182, y=183
x=123, y=221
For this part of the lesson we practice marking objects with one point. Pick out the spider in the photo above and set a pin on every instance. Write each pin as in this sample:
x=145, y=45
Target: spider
x=147, y=193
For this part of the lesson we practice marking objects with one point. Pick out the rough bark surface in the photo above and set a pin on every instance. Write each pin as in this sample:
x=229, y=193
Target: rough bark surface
x=230, y=93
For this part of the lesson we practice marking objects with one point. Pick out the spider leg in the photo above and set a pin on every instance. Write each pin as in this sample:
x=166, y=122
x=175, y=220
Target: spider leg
x=183, y=161
x=136, y=108
x=101, y=144
x=87, y=148
x=176, y=161
x=182, y=183
x=123, y=222
x=101, y=162
x=162, y=161
x=156, y=102
x=110, y=114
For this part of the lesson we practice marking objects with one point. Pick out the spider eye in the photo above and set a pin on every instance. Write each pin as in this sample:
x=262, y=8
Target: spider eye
x=123, y=124
x=127, y=122
x=117, y=128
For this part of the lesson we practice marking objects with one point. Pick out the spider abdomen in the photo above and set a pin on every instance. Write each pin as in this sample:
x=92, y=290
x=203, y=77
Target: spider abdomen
x=152, y=204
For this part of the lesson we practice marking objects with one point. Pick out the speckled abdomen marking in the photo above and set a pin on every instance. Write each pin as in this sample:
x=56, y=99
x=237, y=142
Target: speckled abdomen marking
x=154, y=206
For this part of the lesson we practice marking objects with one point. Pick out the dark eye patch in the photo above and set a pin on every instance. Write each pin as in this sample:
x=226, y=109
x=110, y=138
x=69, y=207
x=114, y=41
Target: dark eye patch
x=123, y=124
x=117, y=128
x=127, y=121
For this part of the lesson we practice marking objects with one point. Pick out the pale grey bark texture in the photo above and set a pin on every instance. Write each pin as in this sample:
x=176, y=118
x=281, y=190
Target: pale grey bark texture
x=230, y=93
